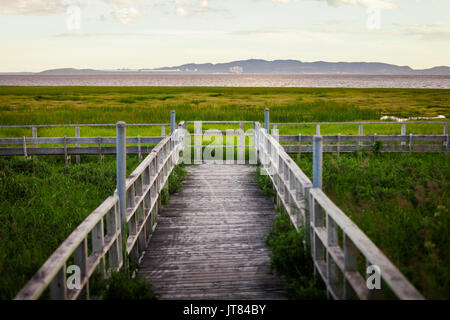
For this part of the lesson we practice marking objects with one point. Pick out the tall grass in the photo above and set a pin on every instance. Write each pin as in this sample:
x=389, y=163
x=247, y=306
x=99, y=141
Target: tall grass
x=401, y=201
x=41, y=202
x=56, y=105
x=290, y=255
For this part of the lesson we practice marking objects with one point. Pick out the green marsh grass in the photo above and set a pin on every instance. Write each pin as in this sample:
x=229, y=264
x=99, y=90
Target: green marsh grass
x=83, y=105
x=42, y=202
x=401, y=202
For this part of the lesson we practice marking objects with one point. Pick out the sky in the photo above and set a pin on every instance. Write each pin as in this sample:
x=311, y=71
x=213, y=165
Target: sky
x=110, y=34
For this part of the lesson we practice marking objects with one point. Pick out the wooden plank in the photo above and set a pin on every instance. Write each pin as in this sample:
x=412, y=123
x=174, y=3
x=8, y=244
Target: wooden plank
x=209, y=241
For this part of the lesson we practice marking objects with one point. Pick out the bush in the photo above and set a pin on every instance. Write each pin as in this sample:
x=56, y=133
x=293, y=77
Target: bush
x=264, y=183
x=291, y=259
x=120, y=286
x=175, y=179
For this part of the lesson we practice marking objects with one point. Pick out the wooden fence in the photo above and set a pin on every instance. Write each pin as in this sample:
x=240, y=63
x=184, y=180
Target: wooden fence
x=350, y=143
x=336, y=260
x=360, y=125
x=116, y=231
x=68, y=146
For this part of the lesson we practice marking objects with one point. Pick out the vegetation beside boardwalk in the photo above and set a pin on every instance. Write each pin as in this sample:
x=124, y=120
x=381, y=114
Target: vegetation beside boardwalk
x=41, y=202
x=290, y=255
x=78, y=105
x=401, y=202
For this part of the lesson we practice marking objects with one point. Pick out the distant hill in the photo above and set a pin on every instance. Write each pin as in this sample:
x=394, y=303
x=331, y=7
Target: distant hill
x=70, y=71
x=298, y=67
x=258, y=66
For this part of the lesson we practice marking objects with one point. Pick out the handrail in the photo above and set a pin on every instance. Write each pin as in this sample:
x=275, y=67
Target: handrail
x=143, y=190
x=53, y=271
x=325, y=212
x=311, y=208
x=84, y=125
x=339, y=143
x=356, y=123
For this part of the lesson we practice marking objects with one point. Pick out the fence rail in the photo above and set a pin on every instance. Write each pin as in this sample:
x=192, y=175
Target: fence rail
x=307, y=206
x=390, y=143
x=71, y=146
x=128, y=226
x=360, y=125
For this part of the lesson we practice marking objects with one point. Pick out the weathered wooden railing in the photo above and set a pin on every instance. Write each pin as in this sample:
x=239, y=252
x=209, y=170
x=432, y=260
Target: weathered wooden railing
x=349, y=143
x=360, y=125
x=336, y=258
x=67, y=147
x=402, y=142
x=93, y=247
x=28, y=146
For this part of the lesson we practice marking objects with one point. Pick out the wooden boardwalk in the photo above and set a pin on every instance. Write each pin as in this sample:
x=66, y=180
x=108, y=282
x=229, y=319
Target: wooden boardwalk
x=209, y=242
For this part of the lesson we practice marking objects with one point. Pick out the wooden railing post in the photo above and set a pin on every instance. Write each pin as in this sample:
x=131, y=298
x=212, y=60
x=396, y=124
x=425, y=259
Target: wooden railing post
x=34, y=133
x=121, y=172
x=299, y=146
x=446, y=136
x=339, y=145
x=77, y=135
x=267, y=120
x=317, y=162
x=172, y=121
x=403, y=132
x=361, y=133
x=25, y=152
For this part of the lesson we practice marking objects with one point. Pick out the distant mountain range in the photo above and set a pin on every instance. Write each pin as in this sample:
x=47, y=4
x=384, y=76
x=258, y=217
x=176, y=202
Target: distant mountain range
x=257, y=66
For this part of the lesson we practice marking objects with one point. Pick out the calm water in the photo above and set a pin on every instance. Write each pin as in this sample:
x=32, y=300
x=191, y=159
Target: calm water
x=229, y=80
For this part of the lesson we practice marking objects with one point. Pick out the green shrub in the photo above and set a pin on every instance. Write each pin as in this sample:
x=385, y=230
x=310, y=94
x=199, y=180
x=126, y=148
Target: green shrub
x=165, y=196
x=176, y=178
x=264, y=183
x=120, y=286
x=291, y=259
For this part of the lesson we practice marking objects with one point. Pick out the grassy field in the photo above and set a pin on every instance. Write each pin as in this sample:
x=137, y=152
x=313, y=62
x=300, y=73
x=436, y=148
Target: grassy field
x=77, y=105
x=41, y=202
x=401, y=201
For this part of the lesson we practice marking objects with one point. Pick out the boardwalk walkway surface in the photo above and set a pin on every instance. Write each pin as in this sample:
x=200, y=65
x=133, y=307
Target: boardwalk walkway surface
x=209, y=242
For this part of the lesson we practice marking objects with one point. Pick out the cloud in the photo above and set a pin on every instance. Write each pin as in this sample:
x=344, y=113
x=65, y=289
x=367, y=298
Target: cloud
x=427, y=31
x=32, y=7
x=122, y=3
x=188, y=8
x=126, y=14
x=379, y=4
